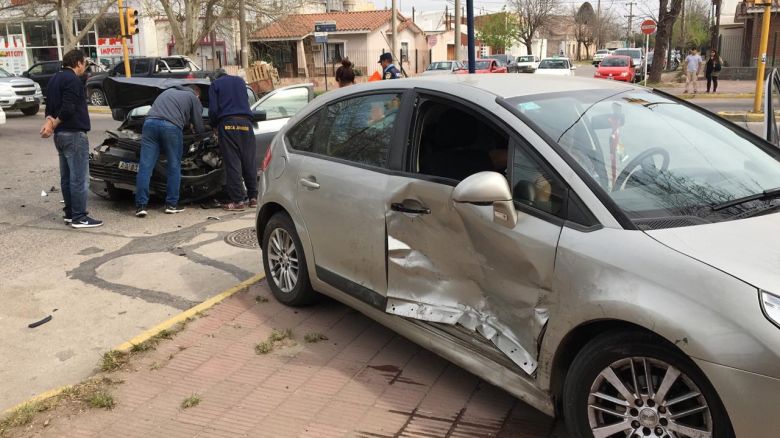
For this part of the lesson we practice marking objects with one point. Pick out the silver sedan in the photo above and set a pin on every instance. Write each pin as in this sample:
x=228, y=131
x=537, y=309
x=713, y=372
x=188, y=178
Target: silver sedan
x=602, y=251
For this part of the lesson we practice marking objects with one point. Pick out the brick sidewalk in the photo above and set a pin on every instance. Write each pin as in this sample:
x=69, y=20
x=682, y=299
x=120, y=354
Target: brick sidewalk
x=364, y=380
x=724, y=87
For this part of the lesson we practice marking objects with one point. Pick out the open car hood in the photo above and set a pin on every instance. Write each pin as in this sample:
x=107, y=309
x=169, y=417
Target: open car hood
x=126, y=94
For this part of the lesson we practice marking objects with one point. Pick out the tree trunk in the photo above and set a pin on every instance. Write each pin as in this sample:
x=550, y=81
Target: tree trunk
x=666, y=19
x=529, y=47
x=66, y=26
x=716, y=27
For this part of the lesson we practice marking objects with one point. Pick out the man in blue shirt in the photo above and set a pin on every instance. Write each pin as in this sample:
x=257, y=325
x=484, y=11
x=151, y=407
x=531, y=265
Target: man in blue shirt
x=389, y=70
x=232, y=119
x=68, y=120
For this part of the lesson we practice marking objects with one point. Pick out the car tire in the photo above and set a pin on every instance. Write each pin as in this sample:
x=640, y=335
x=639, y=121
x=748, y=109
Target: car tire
x=625, y=356
x=97, y=97
x=279, y=240
x=31, y=110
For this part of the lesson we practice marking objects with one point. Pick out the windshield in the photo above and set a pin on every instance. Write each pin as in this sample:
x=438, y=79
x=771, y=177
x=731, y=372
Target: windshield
x=500, y=59
x=525, y=59
x=615, y=61
x=656, y=158
x=5, y=74
x=554, y=63
x=602, y=52
x=636, y=54
x=440, y=66
x=483, y=65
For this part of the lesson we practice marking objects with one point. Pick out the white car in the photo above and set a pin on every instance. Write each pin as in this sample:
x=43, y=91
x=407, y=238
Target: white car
x=443, y=68
x=600, y=55
x=555, y=67
x=527, y=63
x=2, y=116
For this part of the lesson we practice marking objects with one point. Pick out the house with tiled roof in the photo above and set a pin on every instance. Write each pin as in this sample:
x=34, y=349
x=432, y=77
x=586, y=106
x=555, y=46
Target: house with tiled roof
x=361, y=36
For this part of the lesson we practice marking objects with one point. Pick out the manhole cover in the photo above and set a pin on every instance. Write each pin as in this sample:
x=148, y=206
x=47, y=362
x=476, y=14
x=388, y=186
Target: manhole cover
x=243, y=238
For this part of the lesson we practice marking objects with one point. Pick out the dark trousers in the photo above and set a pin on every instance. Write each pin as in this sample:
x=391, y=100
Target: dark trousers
x=239, y=153
x=712, y=80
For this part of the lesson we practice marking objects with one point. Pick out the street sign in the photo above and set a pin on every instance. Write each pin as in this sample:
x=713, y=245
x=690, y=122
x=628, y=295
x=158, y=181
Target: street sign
x=325, y=26
x=321, y=37
x=649, y=27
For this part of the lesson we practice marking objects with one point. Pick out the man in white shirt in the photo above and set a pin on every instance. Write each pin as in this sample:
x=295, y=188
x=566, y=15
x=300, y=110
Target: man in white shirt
x=692, y=67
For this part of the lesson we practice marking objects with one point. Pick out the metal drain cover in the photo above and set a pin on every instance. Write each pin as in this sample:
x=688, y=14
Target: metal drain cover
x=243, y=238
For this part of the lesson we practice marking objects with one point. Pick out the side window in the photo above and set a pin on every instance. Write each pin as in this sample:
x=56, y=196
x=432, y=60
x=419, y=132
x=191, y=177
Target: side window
x=37, y=69
x=285, y=103
x=534, y=185
x=301, y=137
x=51, y=68
x=141, y=67
x=454, y=144
x=360, y=129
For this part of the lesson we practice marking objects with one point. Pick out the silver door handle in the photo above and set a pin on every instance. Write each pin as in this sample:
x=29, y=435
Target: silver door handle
x=309, y=183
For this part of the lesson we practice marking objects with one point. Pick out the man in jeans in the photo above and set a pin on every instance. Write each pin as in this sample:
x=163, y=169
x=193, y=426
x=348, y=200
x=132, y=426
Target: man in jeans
x=67, y=118
x=692, y=68
x=163, y=129
x=230, y=115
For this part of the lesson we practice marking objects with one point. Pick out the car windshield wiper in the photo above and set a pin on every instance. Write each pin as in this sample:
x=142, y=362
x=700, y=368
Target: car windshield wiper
x=766, y=194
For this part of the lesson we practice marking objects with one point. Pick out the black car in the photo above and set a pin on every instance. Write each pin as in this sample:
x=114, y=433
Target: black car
x=42, y=72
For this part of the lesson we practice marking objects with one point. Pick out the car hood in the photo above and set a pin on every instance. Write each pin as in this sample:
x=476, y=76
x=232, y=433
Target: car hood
x=126, y=94
x=612, y=70
x=16, y=80
x=748, y=249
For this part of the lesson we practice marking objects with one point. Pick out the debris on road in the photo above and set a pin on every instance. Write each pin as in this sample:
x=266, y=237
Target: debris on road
x=53, y=189
x=41, y=322
x=43, y=193
x=213, y=218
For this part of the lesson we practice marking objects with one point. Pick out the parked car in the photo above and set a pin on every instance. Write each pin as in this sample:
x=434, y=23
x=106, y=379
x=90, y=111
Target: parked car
x=113, y=164
x=505, y=60
x=527, y=63
x=42, y=72
x=619, y=68
x=639, y=58
x=549, y=236
x=145, y=67
x=18, y=93
x=443, y=67
x=600, y=55
x=483, y=66
x=2, y=116
x=558, y=66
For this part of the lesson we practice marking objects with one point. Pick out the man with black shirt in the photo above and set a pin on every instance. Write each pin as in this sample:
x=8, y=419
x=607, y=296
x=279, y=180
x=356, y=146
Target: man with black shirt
x=68, y=120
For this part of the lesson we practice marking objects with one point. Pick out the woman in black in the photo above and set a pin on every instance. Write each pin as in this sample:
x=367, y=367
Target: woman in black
x=345, y=75
x=712, y=71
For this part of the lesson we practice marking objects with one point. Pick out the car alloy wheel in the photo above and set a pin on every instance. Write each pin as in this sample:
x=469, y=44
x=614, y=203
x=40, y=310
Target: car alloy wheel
x=97, y=97
x=642, y=396
x=283, y=260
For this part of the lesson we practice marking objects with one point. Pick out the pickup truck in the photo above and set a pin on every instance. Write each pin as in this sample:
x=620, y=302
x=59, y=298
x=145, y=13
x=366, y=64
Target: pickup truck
x=145, y=67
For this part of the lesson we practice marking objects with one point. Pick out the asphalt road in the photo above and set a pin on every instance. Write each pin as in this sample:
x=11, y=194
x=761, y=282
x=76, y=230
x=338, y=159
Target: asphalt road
x=101, y=286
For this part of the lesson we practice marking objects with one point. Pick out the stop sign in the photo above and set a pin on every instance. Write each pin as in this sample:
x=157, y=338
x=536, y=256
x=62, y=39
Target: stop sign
x=648, y=27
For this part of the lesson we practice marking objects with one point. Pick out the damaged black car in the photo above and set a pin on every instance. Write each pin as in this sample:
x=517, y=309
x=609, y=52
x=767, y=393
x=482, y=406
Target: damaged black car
x=113, y=165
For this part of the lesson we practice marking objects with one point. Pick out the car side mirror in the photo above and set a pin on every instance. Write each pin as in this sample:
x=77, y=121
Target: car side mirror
x=26, y=74
x=258, y=115
x=485, y=188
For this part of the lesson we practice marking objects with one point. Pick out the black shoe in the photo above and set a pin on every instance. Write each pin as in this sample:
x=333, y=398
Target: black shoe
x=171, y=209
x=140, y=211
x=86, y=222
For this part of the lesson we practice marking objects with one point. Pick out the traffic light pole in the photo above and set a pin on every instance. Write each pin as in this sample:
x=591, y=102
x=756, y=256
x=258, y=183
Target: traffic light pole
x=123, y=29
x=762, y=59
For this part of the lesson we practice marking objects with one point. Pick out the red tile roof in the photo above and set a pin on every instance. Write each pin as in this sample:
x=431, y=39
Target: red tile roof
x=296, y=26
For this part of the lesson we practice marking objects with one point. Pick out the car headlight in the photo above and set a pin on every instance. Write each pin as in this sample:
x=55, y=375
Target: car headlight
x=37, y=87
x=770, y=304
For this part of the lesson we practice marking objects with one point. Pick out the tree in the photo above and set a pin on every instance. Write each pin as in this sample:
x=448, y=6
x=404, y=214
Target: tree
x=66, y=10
x=668, y=11
x=499, y=31
x=585, y=23
x=533, y=16
x=697, y=28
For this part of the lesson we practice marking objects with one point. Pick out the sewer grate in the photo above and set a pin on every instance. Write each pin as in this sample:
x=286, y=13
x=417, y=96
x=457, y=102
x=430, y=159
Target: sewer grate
x=243, y=238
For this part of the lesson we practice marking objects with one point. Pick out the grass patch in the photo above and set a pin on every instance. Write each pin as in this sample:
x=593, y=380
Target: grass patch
x=191, y=401
x=313, y=338
x=277, y=338
x=164, y=334
x=264, y=347
x=102, y=399
x=24, y=414
x=280, y=335
x=113, y=360
x=261, y=299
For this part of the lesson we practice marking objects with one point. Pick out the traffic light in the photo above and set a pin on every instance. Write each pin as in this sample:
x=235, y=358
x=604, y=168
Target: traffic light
x=132, y=21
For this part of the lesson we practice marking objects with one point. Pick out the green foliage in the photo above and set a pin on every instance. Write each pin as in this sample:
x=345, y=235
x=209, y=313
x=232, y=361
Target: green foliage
x=499, y=31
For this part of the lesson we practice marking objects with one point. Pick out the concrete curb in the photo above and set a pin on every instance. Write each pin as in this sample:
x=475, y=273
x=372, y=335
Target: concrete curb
x=148, y=334
x=742, y=116
x=713, y=96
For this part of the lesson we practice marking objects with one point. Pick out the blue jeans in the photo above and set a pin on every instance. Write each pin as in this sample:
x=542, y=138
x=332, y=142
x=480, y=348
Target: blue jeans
x=73, y=149
x=157, y=135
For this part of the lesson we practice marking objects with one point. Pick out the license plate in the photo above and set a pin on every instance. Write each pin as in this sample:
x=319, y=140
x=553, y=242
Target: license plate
x=29, y=99
x=128, y=165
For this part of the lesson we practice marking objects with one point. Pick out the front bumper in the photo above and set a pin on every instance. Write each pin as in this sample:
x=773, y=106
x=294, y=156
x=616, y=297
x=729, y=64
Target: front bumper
x=614, y=78
x=19, y=102
x=751, y=400
x=525, y=69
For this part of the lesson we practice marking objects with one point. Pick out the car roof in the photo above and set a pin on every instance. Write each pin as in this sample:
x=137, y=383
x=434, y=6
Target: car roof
x=618, y=56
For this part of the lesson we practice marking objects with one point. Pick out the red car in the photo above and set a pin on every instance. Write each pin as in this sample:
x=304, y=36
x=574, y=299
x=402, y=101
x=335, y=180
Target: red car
x=483, y=66
x=619, y=68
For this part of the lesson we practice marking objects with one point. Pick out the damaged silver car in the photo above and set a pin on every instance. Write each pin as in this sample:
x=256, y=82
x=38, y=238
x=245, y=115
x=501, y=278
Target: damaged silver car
x=604, y=252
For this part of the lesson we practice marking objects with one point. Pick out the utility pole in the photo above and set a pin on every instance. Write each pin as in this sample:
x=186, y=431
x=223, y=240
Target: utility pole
x=457, y=38
x=470, y=30
x=394, y=40
x=598, y=25
x=684, y=34
x=630, y=18
x=242, y=31
x=762, y=57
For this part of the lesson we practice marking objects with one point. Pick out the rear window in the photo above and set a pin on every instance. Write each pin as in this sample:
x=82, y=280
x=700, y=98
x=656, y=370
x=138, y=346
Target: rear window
x=615, y=61
x=634, y=53
x=525, y=59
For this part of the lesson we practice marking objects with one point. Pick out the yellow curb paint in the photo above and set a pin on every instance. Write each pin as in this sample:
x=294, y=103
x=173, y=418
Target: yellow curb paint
x=716, y=96
x=148, y=334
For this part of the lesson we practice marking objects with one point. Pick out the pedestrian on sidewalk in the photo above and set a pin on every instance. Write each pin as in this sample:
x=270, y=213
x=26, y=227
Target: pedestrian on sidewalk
x=232, y=119
x=172, y=111
x=345, y=75
x=692, y=70
x=712, y=70
x=67, y=119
